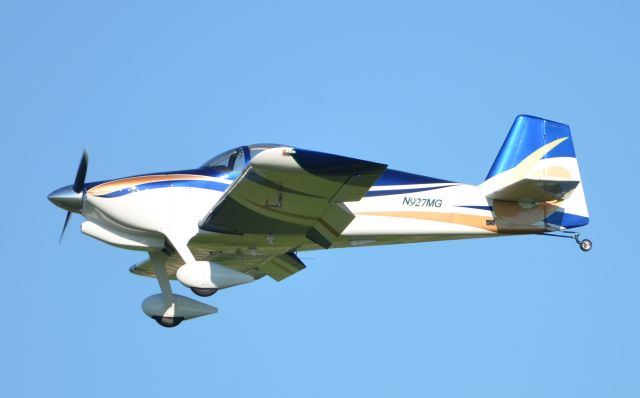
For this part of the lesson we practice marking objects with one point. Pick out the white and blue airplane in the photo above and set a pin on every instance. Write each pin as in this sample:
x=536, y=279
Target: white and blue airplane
x=247, y=212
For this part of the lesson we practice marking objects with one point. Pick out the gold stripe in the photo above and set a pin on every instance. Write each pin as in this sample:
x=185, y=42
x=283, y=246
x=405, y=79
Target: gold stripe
x=453, y=218
x=117, y=185
x=460, y=219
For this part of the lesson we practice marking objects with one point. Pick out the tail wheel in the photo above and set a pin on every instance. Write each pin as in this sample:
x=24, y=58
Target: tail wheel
x=585, y=245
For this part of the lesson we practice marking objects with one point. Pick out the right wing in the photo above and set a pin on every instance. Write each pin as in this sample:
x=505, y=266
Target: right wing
x=286, y=191
x=283, y=191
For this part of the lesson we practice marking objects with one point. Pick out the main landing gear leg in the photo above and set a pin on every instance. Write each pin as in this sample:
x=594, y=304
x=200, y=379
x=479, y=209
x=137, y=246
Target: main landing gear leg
x=188, y=257
x=159, y=259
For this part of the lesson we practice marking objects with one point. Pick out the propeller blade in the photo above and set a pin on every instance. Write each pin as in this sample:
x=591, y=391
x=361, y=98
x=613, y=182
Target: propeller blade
x=64, y=227
x=82, y=173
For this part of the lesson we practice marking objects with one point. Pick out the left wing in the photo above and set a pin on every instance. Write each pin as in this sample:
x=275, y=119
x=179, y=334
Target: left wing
x=286, y=191
x=278, y=267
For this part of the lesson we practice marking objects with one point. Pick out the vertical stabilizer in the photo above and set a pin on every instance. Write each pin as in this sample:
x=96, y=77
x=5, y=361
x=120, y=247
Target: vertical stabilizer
x=537, y=168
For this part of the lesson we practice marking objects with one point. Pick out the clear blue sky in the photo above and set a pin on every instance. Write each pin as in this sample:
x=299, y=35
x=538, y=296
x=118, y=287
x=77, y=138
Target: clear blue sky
x=433, y=89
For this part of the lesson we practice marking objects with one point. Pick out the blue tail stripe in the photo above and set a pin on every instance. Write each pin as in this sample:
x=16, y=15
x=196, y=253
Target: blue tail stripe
x=567, y=220
x=527, y=134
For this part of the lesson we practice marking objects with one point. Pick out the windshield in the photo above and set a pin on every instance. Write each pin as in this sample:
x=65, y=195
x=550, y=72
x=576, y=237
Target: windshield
x=231, y=160
x=235, y=159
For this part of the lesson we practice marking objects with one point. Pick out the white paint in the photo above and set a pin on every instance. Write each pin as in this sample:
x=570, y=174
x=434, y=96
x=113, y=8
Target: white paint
x=208, y=275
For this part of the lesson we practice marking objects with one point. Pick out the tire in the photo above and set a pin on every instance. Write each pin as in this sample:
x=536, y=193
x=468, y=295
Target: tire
x=585, y=245
x=168, y=322
x=203, y=292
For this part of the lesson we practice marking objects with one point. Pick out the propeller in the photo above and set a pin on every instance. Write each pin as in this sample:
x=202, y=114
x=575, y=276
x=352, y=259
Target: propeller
x=81, y=174
x=64, y=227
x=70, y=197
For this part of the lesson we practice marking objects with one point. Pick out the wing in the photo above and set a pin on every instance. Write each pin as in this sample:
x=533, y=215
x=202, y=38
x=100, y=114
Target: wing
x=283, y=191
x=286, y=191
x=278, y=266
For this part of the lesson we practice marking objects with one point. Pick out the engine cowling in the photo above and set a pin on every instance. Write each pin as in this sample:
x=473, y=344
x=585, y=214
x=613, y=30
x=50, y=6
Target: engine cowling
x=208, y=275
x=171, y=314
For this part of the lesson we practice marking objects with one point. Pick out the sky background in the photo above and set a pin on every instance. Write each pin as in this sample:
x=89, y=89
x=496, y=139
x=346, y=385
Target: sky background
x=427, y=88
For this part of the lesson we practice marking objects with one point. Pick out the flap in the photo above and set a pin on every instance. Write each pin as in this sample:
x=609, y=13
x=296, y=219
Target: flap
x=282, y=266
x=278, y=267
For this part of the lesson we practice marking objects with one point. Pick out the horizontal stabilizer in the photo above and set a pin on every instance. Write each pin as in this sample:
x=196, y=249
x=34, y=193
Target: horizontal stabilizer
x=537, y=190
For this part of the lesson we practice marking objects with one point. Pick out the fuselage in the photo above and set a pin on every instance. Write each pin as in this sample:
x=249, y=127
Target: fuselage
x=400, y=208
x=137, y=212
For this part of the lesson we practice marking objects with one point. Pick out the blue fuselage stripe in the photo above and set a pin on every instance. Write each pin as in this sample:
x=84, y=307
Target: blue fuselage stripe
x=401, y=191
x=213, y=185
x=490, y=208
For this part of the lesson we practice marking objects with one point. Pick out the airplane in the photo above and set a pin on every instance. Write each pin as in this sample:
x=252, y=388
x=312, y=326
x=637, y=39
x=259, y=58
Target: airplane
x=249, y=211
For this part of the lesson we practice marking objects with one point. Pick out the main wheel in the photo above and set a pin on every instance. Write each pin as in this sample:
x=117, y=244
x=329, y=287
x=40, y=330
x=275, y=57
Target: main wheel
x=168, y=322
x=204, y=292
x=585, y=245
